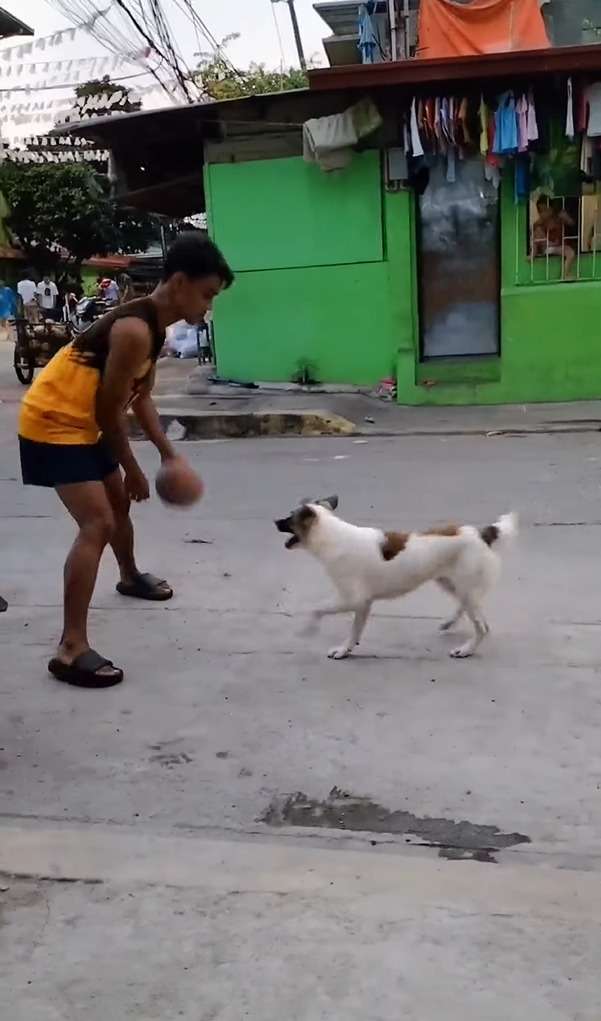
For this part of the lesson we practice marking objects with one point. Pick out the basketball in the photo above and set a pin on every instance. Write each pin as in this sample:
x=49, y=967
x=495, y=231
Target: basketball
x=177, y=484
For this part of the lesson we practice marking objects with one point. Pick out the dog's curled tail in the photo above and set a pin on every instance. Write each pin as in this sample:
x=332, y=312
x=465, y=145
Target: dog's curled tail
x=504, y=530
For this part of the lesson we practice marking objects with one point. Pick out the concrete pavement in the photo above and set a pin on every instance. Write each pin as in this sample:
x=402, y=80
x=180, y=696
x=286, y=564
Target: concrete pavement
x=186, y=808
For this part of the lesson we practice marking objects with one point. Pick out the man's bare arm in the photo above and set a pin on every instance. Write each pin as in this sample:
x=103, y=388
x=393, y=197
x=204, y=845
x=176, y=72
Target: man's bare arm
x=148, y=418
x=129, y=350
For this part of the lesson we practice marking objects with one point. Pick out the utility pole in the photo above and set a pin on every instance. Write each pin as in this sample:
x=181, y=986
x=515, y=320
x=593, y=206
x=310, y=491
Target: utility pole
x=296, y=30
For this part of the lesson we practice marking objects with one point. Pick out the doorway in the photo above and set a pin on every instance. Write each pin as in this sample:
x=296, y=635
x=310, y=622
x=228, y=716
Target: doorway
x=458, y=263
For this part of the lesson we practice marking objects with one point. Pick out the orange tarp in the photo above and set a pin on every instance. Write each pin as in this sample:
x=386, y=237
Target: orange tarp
x=449, y=29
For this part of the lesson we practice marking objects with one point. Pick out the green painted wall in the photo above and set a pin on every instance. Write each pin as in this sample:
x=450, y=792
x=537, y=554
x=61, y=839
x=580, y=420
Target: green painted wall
x=312, y=284
x=285, y=213
x=326, y=277
x=550, y=338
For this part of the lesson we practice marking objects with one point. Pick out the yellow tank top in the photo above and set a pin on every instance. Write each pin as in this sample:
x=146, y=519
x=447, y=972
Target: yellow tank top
x=60, y=405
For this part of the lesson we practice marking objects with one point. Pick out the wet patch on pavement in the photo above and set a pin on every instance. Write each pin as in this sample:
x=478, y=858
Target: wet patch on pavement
x=343, y=811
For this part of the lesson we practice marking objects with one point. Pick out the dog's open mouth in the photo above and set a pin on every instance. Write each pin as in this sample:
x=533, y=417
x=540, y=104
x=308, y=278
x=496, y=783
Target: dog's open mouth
x=285, y=525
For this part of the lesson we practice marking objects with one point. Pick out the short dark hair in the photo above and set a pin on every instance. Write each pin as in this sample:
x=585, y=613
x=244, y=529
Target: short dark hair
x=195, y=255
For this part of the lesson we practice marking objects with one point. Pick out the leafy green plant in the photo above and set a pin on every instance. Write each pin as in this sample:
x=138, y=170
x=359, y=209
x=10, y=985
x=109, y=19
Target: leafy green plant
x=219, y=79
x=61, y=214
x=305, y=374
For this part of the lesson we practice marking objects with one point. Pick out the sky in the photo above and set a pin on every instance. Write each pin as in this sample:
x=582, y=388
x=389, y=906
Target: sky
x=254, y=20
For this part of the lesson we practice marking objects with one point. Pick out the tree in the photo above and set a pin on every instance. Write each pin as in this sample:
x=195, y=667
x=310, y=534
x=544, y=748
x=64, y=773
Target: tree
x=216, y=76
x=62, y=214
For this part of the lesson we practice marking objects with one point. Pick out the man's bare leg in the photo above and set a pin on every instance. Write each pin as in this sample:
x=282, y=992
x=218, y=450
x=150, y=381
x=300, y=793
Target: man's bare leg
x=122, y=539
x=89, y=507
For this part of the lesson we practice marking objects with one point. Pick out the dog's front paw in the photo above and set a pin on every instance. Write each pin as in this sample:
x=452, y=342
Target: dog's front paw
x=339, y=652
x=463, y=652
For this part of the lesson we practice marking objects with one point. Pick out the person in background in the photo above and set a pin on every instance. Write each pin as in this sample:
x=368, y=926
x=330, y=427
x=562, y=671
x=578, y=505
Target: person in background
x=549, y=235
x=8, y=306
x=110, y=291
x=47, y=295
x=204, y=343
x=27, y=292
x=126, y=288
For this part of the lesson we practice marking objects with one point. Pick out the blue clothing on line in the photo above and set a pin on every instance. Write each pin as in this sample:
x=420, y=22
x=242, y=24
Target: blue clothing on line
x=505, y=139
x=367, y=40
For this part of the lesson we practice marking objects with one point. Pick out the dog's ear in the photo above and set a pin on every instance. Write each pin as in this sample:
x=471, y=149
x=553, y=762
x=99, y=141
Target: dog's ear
x=329, y=501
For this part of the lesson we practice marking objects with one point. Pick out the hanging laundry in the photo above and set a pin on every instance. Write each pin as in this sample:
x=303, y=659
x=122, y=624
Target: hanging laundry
x=417, y=148
x=450, y=29
x=484, y=115
x=531, y=121
x=329, y=141
x=367, y=43
x=492, y=158
x=586, y=157
x=463, y=127
x=570, y=132
x=506, y=127
x=406, y=138
x=521, y=108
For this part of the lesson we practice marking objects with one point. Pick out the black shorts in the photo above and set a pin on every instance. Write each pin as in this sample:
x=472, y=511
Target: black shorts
x=62, y=464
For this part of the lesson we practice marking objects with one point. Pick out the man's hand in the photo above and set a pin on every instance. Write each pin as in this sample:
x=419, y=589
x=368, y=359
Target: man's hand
x=136, y=484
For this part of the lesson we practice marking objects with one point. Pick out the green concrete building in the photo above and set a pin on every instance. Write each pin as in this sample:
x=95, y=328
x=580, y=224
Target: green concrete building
x=436, y=279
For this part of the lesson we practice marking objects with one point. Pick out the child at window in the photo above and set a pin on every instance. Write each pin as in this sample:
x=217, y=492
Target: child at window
x=548, y=235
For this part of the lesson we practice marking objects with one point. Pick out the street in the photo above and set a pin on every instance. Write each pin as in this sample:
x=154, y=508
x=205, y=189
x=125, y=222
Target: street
x=251, y=830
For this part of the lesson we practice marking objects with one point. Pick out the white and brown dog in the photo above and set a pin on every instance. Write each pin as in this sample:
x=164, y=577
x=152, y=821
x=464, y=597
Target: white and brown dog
x=367, y=564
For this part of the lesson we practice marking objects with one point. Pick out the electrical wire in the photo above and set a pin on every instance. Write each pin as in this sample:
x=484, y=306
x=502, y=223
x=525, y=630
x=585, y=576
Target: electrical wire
x=279, y=35
x=69, y=85
x=114, y=32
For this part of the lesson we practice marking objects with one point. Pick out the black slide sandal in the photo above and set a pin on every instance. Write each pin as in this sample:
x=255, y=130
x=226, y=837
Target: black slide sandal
x=83, y=672
x=3, y=605
x=145, y=586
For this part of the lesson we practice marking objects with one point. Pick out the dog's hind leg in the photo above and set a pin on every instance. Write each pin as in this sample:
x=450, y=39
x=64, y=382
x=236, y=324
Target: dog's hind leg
x=447, y=625
x=481, y=629
x=448, y=587
x=357, y=628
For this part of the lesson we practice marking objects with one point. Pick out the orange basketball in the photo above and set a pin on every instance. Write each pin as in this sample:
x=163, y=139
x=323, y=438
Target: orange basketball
x=176, y=483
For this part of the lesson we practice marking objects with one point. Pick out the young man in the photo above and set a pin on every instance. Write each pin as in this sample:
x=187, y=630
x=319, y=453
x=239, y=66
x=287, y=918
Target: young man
x=27, y=291
x=47, y=294
x=73, y=438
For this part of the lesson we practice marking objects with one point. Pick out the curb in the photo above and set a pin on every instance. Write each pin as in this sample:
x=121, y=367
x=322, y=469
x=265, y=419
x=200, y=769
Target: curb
x=238, y=425
x=209, y=425
x=509, y=431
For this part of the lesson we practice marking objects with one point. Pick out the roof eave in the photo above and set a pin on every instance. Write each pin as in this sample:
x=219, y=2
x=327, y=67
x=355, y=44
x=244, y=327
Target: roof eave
x=426, y=70
x=11, y=26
